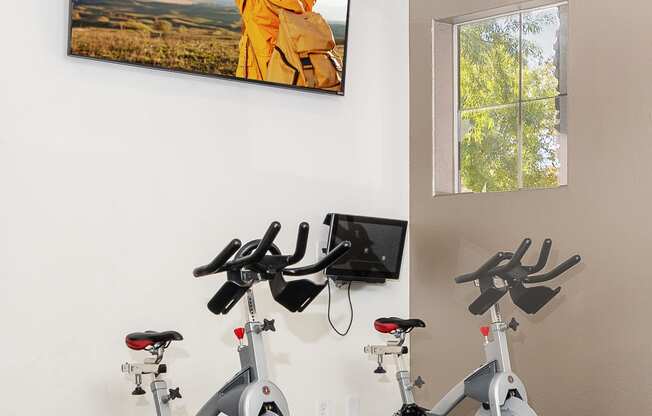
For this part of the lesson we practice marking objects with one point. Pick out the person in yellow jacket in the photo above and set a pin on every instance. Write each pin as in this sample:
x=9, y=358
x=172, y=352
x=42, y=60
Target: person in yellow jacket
x=260, y=27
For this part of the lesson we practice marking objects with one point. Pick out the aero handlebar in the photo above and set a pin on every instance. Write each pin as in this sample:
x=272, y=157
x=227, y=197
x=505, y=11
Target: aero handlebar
x=219, y=261
x=260, y=251
x=554, y=272
x=523, y=273
x=330, y=258
x=302, y=244
x=543, y=257
x=483, y=270
x=256, y=260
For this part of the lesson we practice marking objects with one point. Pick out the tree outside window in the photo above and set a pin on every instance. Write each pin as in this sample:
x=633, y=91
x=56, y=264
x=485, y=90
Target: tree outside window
x=512, y=92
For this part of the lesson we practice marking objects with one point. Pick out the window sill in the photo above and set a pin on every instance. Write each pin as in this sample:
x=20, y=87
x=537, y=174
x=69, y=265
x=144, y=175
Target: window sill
x=462, y=194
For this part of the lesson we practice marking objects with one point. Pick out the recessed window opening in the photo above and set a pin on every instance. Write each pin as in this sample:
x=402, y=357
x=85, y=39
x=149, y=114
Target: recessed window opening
x=510, y=101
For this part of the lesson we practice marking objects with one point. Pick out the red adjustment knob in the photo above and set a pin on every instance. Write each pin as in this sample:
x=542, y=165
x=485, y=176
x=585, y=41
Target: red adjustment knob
x=485, y=331
x=239, y=333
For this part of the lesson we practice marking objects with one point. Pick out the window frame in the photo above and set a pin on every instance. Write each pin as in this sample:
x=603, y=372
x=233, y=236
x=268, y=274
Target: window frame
x=562, y=96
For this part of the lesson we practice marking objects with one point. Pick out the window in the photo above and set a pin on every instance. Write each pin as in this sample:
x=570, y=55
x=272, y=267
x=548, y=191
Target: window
x=510, y=101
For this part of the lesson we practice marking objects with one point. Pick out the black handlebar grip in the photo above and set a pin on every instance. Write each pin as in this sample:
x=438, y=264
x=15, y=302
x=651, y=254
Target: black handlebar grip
x=219, y=261
x=302, y=244
x=516, y=257
x=543, y=257
x=490, y=264
x=260, y=251
x=554, y=272
x=330, y=258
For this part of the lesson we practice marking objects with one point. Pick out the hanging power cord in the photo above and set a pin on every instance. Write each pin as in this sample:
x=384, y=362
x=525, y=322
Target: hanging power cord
x=330, y=321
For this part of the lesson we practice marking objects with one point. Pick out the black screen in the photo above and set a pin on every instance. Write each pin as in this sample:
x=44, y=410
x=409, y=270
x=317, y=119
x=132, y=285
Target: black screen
x=376, y=246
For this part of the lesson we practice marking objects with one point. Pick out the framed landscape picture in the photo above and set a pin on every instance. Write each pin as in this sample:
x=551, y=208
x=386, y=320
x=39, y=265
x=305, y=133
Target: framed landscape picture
x=292, y=43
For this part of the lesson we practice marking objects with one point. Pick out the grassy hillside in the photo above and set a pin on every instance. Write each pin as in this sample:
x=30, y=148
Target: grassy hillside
x=103, y=13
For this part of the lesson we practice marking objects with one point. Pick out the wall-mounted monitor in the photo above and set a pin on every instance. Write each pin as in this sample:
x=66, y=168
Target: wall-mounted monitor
x=293, y=43
x=377, y=246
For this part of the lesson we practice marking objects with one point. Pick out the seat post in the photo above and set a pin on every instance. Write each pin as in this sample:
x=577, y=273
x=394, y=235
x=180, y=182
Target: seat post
x=161, y=397
x=497, y=349
x=403, y=375
x=254, y=356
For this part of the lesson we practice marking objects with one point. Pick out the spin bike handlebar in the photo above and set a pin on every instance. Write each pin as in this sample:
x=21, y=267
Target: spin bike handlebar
x=554, y=272
x=302, y=244
x=483, y=270
x=514, y=258
x=260, y=251
x=221, y=263
x=543, y=257
x=509, y=267
x=492, y=268
x=326, y=261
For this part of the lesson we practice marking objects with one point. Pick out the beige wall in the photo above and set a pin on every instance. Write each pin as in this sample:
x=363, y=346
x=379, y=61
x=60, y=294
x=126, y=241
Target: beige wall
x=590, y=351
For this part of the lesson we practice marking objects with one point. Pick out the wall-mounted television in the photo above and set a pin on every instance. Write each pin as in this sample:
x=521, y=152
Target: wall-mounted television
x=291, y=43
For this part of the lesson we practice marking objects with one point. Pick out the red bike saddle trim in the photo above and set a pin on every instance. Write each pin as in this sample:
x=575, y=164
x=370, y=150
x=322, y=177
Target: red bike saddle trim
x=388, y=325
x=385, y=328
x=138, y=345
x=140, y=340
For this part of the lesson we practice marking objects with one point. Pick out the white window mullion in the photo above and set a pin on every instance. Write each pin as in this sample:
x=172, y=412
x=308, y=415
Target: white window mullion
x=519, y=133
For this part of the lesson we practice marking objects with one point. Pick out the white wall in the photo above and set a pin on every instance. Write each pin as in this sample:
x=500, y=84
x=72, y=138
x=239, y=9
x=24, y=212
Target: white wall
x=115, y=182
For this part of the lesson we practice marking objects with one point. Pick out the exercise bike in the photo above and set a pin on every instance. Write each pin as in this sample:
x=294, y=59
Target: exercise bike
x=498, y=389
x=250, y=392
x=155, y=343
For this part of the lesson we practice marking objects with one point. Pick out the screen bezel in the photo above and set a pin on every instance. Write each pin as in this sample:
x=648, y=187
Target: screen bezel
x=340, y=93
x=332, y=271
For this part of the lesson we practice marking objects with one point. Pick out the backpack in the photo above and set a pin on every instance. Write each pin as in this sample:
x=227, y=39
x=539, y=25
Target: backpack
x=304, y=53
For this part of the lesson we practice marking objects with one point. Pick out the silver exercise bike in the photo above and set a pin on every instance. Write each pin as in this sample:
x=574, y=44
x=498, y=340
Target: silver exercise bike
x=250, y=392
x=155, y=343
x=498, y=389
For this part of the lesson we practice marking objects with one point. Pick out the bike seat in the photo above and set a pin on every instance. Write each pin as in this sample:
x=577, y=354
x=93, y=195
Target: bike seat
x=387, y=325
x=140, y=340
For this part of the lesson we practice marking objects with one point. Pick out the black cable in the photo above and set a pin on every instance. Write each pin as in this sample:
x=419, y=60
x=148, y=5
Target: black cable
x=330, y=321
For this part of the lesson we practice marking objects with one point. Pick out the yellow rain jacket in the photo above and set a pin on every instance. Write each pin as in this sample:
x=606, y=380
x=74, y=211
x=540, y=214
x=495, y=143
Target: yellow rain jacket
x=260, y=27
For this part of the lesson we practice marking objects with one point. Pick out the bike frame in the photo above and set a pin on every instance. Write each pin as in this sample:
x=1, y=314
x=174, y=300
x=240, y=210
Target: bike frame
x=250, y=389
x=493, y=383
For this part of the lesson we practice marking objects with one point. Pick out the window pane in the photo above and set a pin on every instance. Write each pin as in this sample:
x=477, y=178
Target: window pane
x=544, y=53
x=544, y=143
x=489, y=150
x=489, y=63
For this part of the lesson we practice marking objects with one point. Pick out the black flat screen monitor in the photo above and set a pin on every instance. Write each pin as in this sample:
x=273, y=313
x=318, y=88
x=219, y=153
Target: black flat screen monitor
x=376, y=247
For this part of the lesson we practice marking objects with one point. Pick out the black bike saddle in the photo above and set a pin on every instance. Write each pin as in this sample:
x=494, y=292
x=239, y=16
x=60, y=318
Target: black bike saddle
x=141, y=340
x=387, y=325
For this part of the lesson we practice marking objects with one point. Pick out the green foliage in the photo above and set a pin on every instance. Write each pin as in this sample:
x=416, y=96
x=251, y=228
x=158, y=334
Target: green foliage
x=490, y=76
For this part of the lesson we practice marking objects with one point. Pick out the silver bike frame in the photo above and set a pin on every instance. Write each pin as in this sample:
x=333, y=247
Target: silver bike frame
x=249, y=390
x=494, y=383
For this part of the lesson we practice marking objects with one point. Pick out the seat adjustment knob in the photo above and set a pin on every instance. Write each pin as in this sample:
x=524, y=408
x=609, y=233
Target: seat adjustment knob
x=175, y=394
x=268, y=325
x=513, y=324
